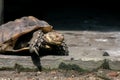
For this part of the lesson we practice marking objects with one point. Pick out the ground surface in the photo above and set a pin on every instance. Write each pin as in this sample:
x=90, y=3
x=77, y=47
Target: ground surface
x=60, y=75
x=81, y=44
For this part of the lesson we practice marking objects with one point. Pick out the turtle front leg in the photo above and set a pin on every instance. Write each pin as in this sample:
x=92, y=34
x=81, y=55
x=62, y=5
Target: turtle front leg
x=36, y=42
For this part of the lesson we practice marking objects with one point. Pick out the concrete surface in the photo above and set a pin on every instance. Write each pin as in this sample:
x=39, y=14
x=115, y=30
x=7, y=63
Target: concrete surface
x=88, y=50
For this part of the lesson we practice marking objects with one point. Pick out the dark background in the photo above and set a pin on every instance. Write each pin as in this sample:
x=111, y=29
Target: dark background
x=69, y=15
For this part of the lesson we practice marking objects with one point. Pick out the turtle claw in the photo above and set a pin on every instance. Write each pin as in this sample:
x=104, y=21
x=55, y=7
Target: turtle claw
x=36, y=51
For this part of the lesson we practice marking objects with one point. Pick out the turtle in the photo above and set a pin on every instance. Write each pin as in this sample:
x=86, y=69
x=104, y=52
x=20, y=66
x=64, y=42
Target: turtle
x=28, y=33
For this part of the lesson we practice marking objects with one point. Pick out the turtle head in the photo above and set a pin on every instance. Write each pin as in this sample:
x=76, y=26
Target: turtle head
x=52, y=41
x=53, y=38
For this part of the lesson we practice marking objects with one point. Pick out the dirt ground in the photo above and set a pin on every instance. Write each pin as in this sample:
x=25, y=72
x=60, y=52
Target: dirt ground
x=100, y=74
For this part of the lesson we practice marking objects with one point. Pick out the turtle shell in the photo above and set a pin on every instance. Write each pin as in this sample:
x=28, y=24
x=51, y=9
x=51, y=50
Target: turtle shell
x=14, y=29
x=11, y=31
